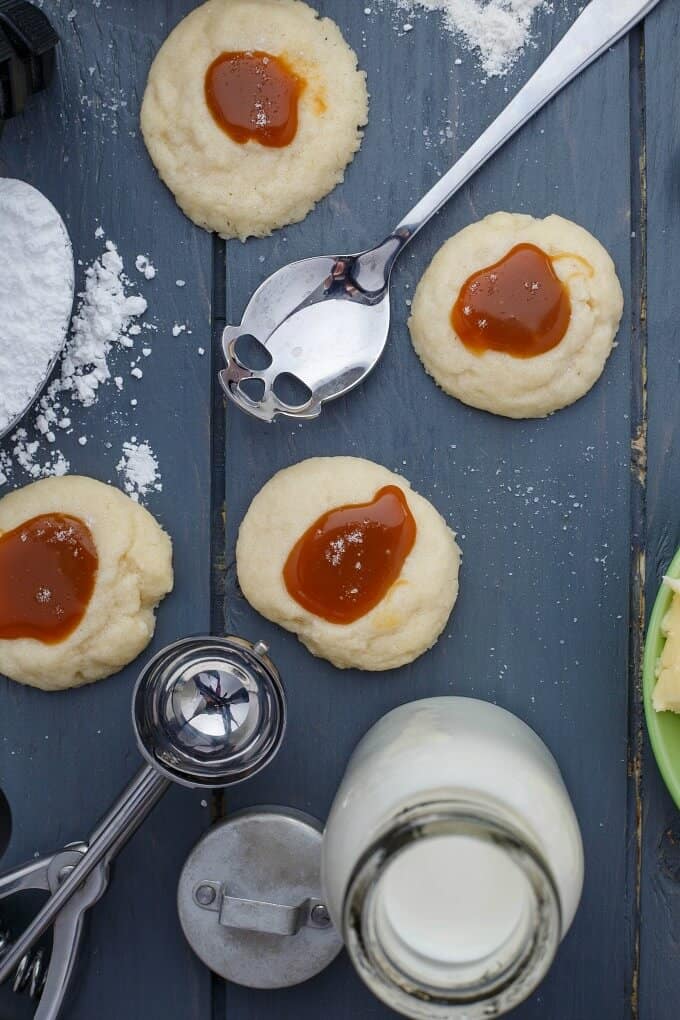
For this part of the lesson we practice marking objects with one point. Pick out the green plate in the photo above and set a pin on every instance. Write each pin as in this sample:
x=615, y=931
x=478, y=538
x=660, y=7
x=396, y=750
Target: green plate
x=663, y=727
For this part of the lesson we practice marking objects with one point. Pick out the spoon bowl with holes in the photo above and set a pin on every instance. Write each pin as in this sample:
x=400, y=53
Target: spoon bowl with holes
x=663, y=727
x=36, y=296
x=321, y=324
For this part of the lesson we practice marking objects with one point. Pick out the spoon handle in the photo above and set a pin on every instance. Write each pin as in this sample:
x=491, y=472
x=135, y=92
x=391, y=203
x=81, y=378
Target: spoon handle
x=598, y=27
x=112, y=832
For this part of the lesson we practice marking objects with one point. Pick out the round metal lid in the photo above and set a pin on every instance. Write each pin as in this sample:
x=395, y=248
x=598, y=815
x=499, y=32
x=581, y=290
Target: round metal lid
x=209, y=711
x=250, y=901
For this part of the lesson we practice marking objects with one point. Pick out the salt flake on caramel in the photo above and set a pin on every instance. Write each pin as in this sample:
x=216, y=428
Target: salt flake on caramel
x=254, y=96
x=518, y=305
x=349, y=558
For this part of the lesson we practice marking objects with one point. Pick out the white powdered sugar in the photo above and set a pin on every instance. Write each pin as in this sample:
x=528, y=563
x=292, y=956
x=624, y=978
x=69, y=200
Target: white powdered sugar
x=104, y=319
x=145, y=266
x=107, y=321
x=36, y=294
x=138, y=468
x=498, y=30
x=32, y=459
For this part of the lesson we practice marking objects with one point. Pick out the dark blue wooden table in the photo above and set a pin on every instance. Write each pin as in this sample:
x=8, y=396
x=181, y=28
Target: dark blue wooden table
x=566, y=524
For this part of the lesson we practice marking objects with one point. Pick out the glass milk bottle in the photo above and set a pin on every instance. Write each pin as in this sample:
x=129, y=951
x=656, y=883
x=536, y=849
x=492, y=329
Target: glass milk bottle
x=452, y=859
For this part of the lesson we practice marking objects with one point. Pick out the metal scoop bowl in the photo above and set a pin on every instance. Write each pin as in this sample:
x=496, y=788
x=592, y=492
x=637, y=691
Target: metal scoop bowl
x=321, y=324
x=209, y=712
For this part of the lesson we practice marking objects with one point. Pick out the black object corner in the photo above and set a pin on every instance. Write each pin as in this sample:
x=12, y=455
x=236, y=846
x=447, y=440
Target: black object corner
x=27, y=55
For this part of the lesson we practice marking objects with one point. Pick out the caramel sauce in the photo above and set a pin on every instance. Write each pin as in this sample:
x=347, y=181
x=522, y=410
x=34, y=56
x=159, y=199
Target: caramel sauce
x=347, y=561
x=48, y=567
x=253, y=96
x=518, y=305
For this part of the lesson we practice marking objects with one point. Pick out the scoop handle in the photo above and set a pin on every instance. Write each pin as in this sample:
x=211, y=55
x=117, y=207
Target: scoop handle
x=599, y=26
x=128, y=812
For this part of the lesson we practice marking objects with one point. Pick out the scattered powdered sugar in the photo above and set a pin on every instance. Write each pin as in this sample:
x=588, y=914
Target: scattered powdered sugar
x=498, y=30
x=138, y=468
x=144, y=265
x=108, y=319
x=31, y=457
x=36, y=293
x=105, y=317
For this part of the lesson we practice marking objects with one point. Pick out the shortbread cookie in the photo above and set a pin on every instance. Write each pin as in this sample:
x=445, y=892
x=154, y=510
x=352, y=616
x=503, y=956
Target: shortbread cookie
x=252, y=111
x=82, y=569
x=543, y=328
x=365, y=525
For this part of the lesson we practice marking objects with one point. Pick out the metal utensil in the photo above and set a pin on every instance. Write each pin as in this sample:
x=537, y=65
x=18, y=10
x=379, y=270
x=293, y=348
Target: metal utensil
x=31, y=971
x=324, y=321
x=207, y=712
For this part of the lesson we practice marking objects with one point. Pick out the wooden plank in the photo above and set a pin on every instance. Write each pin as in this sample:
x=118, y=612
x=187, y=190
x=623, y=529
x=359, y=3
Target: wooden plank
x=660, y=879
x=542, y=508
x=63, y=758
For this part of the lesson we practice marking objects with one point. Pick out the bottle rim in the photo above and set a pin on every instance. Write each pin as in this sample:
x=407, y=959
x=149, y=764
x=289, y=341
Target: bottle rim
x=502, y=988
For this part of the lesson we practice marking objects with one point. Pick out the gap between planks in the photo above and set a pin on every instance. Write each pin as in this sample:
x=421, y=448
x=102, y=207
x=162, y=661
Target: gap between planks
x=218, y=519
x=638, y=508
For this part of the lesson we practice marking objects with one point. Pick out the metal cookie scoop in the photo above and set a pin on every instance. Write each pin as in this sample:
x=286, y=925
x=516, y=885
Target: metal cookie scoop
x=324, y=321
x=207, y=712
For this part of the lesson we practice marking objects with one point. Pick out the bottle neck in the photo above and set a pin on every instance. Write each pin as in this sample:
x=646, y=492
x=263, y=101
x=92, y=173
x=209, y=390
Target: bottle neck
x=452, y=912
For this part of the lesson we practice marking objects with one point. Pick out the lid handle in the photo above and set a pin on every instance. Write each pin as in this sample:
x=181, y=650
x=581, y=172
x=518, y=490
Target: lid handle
x=259, y=915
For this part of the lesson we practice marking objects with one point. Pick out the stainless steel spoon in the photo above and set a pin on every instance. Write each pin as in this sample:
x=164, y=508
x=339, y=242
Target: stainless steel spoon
x=324, y=321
